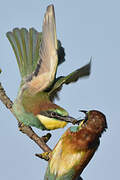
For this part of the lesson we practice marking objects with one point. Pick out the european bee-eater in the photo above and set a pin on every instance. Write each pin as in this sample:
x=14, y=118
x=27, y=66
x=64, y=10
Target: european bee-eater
x=38, y=56
x=76, y=147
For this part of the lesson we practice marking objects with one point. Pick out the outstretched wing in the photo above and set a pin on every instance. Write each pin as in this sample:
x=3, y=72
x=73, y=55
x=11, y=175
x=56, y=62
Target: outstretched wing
x=72, y=77
x=37, y=53
x=44, y=73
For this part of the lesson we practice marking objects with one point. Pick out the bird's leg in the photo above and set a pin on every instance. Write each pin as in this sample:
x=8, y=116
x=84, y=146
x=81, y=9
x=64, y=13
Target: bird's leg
x=45, y=156
x=46, y=137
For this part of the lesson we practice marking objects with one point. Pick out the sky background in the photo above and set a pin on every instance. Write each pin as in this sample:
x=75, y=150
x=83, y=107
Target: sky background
x=86, y=28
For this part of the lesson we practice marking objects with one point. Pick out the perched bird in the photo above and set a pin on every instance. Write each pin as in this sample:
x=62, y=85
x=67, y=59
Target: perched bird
x=76, y=147
x=38, y=56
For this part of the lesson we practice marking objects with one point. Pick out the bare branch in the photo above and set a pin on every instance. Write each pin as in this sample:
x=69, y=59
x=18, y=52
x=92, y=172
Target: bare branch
x=5, y=99
x=32, y=135
x=41, y=142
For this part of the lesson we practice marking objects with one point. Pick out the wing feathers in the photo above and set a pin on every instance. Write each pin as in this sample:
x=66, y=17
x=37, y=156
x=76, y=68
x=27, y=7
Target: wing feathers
x=48, y=59
x=72, y=77
x=79, y=73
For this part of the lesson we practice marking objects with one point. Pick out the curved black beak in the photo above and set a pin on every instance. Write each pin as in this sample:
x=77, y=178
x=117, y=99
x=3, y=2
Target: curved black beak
x=85, y=118
x=84, y=111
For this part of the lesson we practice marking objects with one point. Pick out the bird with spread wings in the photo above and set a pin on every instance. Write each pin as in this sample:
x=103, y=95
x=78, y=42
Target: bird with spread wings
x=38, y=56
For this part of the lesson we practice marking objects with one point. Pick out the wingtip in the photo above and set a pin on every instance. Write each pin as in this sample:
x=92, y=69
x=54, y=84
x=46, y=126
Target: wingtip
x=49, y=25
x=90, y=65
x=50, y=7
x=50, y=10
x=90, y=61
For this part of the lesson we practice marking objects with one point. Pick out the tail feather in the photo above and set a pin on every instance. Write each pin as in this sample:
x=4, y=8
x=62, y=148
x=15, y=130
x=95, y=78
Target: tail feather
x=21, y=47
x=14, y=45
x=26, y=46
x=36, y=39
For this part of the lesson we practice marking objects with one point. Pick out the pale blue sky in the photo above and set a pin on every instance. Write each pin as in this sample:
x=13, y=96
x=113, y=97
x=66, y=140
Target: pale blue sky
x=86, y=28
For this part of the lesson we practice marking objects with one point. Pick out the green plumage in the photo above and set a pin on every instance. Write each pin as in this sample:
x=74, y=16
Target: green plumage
x=38, y=56
x=67, y=176
x=26, y=46
x=72, y=77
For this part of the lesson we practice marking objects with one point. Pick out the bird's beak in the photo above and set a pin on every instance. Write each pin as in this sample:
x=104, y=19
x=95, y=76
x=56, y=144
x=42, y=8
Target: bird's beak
x=68, y=119
x=83, y=120
x=84, y=111
x=72, y=120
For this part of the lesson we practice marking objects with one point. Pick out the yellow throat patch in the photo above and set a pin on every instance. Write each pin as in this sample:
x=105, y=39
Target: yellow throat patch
x=51, y=123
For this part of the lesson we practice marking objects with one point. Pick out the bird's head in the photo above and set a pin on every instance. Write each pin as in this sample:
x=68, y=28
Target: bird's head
x=55, y=117
x=94, y=121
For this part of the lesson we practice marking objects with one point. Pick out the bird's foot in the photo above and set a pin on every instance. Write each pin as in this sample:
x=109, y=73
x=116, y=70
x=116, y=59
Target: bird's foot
x=46, y=137
x=45, y=156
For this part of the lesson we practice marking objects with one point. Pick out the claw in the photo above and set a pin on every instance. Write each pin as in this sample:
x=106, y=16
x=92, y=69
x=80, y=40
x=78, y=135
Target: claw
x=44, y=156
x=46, y=137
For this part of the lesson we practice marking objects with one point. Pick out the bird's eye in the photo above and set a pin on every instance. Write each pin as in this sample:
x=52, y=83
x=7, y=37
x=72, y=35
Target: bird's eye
x=53, y=114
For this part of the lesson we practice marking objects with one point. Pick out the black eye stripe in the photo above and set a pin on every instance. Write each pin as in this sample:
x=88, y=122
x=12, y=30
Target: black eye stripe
x=57, y=116
x=53, y=114
x=50, y=114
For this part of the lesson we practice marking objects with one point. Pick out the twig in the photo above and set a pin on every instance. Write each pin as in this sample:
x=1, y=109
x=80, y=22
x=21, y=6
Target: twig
x=5, y=99
x=32, y=135
x=41, y=142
